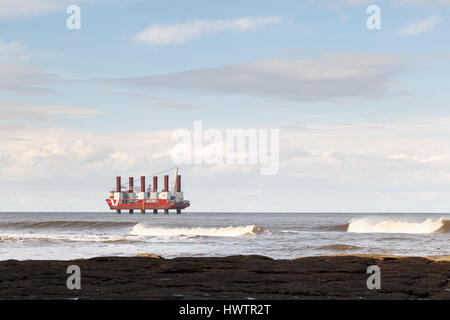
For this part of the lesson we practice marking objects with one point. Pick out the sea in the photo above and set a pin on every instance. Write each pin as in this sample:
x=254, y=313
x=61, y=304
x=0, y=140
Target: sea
x=279, y=235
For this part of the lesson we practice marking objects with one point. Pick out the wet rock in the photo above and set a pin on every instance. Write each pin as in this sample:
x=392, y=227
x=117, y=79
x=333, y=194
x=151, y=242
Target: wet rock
x=150, y=276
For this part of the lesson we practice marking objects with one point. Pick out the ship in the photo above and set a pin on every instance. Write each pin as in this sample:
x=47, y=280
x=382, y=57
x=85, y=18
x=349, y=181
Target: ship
x=128, y=197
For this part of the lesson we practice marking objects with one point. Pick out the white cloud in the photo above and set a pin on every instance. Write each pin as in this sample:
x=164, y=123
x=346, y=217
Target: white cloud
x=157, y=34
x=13, y=51
x=318, y=79
x=11, y=9
x=387, y=154
x=340, y=166
x=33, y=152
x=26, y=8
x=43, y=112
x=422, y=26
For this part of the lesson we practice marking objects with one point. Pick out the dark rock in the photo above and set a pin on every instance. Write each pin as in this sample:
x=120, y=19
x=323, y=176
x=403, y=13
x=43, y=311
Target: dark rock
x=236, y=277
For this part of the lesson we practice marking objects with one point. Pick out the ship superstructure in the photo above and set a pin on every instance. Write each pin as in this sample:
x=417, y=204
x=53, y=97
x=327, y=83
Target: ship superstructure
x=141, y=198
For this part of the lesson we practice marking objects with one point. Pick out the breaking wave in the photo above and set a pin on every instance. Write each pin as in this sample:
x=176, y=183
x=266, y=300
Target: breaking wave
x=67, y=224
x=241, y=231
x=445, y=227
x=367, y=225
x=63, y=238
x=4, y=238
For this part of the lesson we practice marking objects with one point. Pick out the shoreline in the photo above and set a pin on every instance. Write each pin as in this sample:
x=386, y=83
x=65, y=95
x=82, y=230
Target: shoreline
x=149, y=276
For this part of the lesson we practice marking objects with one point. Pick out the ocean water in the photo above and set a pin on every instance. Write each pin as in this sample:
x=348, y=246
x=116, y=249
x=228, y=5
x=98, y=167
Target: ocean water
x=66, y=236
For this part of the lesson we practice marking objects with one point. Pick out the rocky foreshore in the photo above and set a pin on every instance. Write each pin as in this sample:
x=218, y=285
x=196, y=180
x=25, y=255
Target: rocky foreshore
x=235, y=277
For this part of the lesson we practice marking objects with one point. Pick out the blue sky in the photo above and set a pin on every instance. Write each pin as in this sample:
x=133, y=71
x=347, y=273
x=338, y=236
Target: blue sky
x=363, y=114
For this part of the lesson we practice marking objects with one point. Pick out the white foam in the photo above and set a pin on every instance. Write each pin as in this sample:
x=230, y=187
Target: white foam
x=368, y=225
x=23, y=237
x=145, y=230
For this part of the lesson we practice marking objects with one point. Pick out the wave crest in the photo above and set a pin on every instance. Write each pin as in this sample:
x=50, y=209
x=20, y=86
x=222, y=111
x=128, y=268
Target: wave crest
x=445, y=227
x=240, y=231
x=67, y=224
x=15, y=237
x=366, y=225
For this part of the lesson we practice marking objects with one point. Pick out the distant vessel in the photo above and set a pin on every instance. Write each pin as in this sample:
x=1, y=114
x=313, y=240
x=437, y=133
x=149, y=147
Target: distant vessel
x=151, y=199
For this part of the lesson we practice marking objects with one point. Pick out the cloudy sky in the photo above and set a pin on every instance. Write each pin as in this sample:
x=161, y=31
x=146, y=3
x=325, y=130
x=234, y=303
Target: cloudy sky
x=364, y=115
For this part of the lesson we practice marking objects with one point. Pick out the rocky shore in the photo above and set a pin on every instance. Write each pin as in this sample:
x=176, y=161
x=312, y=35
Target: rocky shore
x=234, y=277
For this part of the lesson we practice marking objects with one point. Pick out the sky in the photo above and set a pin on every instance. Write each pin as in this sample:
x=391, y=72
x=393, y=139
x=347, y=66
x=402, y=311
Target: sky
x=363, y=114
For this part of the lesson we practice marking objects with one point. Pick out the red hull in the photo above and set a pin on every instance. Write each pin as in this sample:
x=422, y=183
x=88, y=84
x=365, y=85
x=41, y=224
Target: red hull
x=146, y=205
